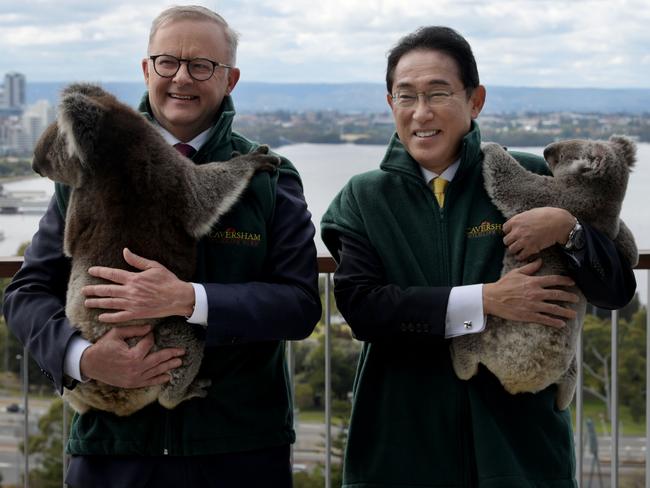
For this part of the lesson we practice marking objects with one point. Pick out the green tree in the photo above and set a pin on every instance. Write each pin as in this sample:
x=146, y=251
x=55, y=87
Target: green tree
x=46, y=446
x=631, y=361
x=632, y=365
x=345, y=355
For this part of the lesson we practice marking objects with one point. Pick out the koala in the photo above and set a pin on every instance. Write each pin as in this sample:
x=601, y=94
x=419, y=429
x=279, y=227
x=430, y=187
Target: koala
x=589, y=180
x=129, y=188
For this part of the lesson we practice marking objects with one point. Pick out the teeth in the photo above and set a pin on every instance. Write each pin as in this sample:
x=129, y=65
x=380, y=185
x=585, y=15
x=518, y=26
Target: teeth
x=181, y=97
x=427, y=133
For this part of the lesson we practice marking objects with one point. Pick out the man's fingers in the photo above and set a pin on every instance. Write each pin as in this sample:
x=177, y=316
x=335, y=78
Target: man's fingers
x=530, y=268
x=102, y=290
x=558, y=310
x=549, y=281
x=138, y=262
x=540, y=318
x=129, y=331
x=561, y=296
x=107, y=303
x=142, y=348
x=117, y=317
x=110, y=274
x=162, y=368
x=162, y=356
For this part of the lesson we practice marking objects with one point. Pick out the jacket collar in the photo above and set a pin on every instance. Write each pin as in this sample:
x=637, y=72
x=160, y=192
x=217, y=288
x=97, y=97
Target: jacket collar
x=220, y=133
x=398, y=160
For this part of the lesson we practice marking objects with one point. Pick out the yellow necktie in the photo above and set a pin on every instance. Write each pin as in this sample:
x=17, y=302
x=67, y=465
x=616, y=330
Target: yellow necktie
x=439, y=186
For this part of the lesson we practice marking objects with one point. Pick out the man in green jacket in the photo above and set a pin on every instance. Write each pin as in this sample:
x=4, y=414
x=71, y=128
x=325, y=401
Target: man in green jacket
x=419, y=262
x=256, y=285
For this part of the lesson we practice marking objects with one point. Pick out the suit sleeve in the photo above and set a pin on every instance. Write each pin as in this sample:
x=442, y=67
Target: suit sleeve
x=285, y=303
x=377, y=310
x=601, y=272
x=34, y=302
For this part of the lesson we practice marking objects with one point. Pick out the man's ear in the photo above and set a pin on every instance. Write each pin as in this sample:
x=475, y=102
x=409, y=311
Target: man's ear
x=233, y=78
x=389, y=99
x=145, y=70
x=477, y=99
x=79, y=119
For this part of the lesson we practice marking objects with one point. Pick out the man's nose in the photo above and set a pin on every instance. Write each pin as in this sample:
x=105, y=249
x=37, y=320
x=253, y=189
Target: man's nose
x=183, y=73
x=422, y=110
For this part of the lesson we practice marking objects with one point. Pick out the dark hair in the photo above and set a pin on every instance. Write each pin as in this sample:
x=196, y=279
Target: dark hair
x=436, y=38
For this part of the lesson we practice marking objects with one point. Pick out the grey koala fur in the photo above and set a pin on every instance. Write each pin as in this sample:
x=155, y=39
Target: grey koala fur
x=589, y=180
x=129, y=188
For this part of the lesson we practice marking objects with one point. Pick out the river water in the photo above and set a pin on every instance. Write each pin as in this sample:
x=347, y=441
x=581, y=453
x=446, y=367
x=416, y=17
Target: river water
x=325, y=168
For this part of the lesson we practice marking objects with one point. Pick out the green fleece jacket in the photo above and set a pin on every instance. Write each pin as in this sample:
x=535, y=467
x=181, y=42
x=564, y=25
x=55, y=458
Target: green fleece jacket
x=414, y=423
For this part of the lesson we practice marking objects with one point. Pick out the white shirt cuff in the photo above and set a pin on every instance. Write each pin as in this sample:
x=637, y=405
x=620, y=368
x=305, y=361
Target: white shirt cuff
x=72, y=360
x=465, y=311
x=200, y=314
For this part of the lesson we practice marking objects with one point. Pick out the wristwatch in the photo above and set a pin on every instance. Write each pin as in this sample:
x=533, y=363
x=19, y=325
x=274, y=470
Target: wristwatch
x=576, y=240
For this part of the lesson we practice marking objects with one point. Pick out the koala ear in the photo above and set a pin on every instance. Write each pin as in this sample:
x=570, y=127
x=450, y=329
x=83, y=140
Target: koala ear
x=79, y=119
x=84, y=89
x=625, y=148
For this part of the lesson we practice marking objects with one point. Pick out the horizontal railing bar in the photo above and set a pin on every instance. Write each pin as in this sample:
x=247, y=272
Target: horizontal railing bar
x=326, y=264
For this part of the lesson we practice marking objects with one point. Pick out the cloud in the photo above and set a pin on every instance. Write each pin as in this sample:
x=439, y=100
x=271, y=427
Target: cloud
x=516, y=42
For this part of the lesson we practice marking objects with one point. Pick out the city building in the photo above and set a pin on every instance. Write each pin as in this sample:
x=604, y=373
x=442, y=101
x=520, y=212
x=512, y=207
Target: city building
x=14, y=92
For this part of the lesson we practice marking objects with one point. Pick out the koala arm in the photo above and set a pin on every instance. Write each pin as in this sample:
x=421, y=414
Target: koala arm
x=214, y=188
x=626, y=244
x=512, y=188
x=35, y=299
x=285, y=302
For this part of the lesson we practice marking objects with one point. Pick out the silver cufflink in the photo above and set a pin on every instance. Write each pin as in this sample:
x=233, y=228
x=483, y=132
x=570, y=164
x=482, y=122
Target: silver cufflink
x=468, y=324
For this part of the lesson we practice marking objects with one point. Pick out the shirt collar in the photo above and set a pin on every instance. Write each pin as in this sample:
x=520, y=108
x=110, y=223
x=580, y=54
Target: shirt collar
x=196, y=143
x=448, y=174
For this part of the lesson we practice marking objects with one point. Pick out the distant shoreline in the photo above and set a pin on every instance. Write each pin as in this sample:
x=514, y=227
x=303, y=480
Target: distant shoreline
x=11, y=179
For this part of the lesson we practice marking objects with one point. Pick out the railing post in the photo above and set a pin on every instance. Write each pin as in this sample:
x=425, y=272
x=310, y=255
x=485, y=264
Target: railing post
x=290, y=368
x=328, y=385
x=64, y=441
x=580, y=410
x=614, y=400
x=647, y=379
x=25, y=368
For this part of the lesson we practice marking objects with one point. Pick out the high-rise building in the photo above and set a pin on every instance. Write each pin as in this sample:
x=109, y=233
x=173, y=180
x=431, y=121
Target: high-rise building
x=14, y=90
x=35, y=119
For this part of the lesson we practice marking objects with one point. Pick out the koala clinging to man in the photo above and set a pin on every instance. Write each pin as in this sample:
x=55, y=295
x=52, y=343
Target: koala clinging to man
x=130, y=189
x=589, y=180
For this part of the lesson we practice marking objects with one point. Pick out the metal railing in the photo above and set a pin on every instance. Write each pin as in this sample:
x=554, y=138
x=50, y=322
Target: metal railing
x=327, y=266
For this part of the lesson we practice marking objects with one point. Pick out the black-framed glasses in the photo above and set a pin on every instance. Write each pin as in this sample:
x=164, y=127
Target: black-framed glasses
x=200, y=69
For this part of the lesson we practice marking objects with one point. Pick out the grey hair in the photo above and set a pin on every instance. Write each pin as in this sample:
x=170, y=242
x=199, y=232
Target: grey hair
x=196, y=12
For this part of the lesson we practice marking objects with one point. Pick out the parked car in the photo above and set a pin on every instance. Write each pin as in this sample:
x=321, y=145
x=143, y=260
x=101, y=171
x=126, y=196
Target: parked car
x=14, y=408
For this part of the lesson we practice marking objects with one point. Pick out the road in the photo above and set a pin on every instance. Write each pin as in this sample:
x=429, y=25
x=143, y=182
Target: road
x=309, y=449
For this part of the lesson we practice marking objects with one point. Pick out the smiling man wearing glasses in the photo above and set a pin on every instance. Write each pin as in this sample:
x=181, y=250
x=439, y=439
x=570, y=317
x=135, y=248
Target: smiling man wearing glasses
x=419, y=247
x=256, y=286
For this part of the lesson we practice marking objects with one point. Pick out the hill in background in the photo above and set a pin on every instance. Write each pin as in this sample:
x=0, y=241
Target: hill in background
x=255, y=97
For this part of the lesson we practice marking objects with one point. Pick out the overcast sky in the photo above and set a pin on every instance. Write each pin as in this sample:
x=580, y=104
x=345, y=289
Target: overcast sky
x=546, y=43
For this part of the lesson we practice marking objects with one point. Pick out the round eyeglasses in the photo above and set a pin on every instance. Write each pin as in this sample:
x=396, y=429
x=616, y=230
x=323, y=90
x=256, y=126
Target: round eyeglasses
x=200, y=69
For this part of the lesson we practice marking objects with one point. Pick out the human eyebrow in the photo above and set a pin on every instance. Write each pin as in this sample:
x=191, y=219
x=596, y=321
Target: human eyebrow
x=435, y=83
x=439, y=83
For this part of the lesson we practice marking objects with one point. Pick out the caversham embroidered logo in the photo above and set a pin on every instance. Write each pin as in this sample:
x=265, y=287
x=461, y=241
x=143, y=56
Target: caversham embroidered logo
x=485, y=229
x=236, y=237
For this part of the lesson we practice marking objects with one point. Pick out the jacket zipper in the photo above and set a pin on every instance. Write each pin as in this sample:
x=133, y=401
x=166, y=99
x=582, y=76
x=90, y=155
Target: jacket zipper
x=166, y=434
